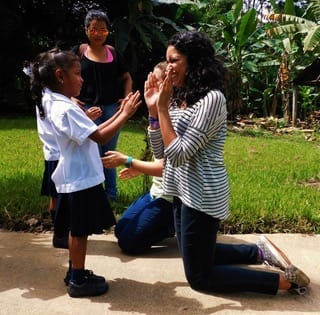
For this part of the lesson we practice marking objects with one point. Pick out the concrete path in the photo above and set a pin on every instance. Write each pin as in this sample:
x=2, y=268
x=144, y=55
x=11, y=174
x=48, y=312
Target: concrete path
x=31, y=274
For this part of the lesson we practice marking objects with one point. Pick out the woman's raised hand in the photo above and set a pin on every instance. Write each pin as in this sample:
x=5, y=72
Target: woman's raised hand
x=166, y=90
x=151, y=94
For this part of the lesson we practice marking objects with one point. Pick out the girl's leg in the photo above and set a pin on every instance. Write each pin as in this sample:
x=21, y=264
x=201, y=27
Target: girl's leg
x=77, y=250
x=52, y=208
x=86, y=210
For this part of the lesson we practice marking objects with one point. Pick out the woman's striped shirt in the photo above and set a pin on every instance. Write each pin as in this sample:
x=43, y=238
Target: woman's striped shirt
x=194, y=168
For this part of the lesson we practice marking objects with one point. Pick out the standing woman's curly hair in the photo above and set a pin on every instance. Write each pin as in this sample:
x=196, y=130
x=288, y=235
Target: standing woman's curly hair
x=44, y=73
x=205, y=72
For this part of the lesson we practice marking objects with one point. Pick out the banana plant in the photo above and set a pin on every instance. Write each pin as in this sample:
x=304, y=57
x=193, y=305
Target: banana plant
x=292, y=25
x=295, y=32
x=238, y=28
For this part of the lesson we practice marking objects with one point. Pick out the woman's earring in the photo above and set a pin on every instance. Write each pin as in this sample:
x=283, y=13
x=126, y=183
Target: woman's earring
x=61, y=81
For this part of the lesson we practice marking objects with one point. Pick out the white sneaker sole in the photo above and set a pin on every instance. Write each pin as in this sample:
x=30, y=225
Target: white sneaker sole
x=282, y=260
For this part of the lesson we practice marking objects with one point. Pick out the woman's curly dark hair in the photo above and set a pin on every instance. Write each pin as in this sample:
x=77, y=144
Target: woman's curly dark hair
x=205, y=72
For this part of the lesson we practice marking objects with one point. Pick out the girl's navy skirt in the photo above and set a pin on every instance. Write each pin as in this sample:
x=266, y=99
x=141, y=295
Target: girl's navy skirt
x=48, y=188
x=84, y=212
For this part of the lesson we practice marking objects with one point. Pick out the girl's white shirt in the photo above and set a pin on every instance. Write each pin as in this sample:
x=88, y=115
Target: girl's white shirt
x=79, y=165
x=45, y=129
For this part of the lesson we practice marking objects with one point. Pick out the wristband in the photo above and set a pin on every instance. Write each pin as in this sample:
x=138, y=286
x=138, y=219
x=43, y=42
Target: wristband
x=128, y=162
x=154, y=122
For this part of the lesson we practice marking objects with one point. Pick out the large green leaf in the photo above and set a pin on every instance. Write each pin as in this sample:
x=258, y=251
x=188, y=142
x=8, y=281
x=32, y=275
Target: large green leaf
x=237, y=9
x=250, y=66
x=248, y=26
x=289, y=7
x=228, y=37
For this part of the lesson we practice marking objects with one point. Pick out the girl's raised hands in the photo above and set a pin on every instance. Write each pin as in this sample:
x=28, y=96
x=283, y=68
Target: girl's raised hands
x=130, y=103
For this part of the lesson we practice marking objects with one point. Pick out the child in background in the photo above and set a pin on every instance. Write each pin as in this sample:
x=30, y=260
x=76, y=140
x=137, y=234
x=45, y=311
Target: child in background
x=149, y=219
x=82, y=208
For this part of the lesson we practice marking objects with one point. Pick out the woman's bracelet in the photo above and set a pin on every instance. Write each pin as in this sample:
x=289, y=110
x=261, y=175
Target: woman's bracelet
x=154, y=122
x=128, y=162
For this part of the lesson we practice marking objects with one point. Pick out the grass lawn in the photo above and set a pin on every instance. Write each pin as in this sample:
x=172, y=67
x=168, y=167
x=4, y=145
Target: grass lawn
x=272, y=178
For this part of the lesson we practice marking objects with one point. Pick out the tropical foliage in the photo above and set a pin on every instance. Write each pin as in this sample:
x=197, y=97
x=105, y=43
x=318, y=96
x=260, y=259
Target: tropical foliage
x=262, y=51
x=307, y=28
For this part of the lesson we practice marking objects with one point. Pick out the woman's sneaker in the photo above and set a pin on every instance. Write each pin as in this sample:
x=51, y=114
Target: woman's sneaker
x=274, y=256
x=296, y=276
x=91, y=287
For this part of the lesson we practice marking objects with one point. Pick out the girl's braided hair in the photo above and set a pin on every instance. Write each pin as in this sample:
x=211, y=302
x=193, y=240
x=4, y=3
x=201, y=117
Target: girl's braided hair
x=43, y=73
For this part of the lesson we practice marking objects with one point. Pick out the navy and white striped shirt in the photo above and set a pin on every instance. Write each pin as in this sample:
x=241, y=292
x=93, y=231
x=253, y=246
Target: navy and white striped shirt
x=194, y=168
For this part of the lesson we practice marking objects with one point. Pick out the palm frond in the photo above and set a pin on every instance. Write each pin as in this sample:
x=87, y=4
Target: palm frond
x=315, y=7
x=283, y=29
x=287, y=18
x=312, y=40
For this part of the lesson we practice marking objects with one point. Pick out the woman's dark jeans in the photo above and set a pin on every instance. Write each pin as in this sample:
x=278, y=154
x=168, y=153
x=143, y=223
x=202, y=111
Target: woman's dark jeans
x=147, y=221
x=211, y=267
x=110, y=183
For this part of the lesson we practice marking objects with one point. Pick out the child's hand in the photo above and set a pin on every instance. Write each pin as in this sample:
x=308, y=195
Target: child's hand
x=128, y=173
x=113, y=159
x=94, y=112
x=130, y=103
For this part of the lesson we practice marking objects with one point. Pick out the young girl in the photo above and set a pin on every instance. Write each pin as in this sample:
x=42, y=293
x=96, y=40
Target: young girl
x=82, y=206
x=51, y=156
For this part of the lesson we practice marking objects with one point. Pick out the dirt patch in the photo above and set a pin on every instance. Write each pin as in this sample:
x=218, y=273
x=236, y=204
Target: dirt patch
x=312, y=182
x=32, y=224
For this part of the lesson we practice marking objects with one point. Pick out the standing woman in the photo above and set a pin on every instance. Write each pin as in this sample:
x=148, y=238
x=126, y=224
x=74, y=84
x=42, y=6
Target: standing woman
x=191, y=110
x=106, y=80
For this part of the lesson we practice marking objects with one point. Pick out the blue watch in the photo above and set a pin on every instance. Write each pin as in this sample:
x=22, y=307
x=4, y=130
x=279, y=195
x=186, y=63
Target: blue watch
x=128, y=162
